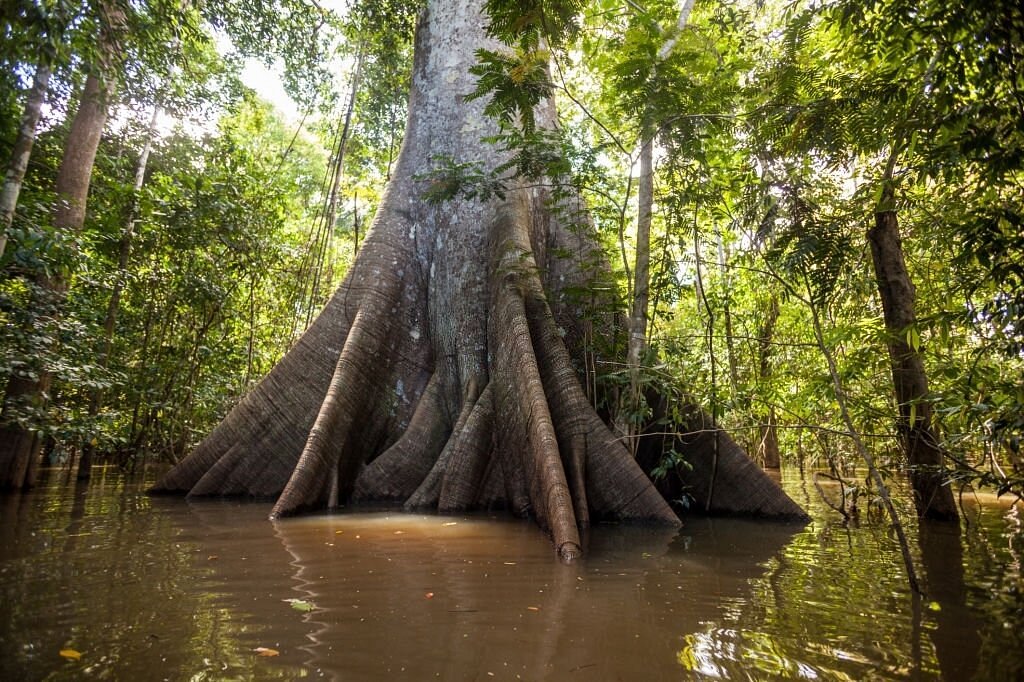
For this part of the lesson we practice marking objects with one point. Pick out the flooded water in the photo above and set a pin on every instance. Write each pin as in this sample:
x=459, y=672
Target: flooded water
x=130, y=587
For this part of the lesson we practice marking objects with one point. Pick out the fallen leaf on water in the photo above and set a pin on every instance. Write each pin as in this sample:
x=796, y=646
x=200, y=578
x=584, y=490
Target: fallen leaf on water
x=429, y=595
x=70, y=654
x=533, y=608
x=301, y=605
x=264, y=651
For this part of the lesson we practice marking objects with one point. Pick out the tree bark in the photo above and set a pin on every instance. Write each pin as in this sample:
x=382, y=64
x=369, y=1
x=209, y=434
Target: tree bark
x=932, y=498
x=444, y=372
x=18, y=439
x=22, y=149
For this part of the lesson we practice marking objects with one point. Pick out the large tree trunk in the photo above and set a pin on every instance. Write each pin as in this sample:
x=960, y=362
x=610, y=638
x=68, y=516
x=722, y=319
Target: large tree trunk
x=932, y=497
x=19, y=442
x=443, y=373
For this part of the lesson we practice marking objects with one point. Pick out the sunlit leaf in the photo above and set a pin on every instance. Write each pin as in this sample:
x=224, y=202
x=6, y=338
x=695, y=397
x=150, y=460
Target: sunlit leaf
x=301, y=605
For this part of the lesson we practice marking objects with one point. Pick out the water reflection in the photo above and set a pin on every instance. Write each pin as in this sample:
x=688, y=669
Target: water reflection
x=167, y=589
x=955, y=634
x=417, y=597
x=76, y=572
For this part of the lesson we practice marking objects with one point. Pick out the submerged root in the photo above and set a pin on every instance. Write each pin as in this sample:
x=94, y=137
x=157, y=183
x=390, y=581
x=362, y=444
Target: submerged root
x=520, y=394
x=395, y=474
x=428, y=493
x=469, y=459
x=326, y=468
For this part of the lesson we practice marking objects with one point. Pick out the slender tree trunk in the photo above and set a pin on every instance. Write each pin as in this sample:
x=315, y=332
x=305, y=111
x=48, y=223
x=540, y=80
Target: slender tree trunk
x=862, y=450
x=18, y=443
x=932, y=497
x=637, y=321
x=768, y=447
x=730, y=339
x=355, y=224
x=642, y=267
x=334, y=198
x=114, y=303
x=636, y=344
x=22, y=149
x=443, y=374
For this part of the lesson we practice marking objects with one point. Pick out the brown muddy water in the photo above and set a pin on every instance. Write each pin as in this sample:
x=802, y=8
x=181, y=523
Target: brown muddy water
x=131, y=587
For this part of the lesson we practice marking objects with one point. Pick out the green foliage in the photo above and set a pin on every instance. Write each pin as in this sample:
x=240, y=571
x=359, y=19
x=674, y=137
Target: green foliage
x=527, y=23
x=807, y=243
x=207, y=295
x=297, y=33
x=516, y=83
x=469, y=180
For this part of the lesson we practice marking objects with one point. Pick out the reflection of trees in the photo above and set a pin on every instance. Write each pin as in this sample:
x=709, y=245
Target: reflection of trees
x=832, y=606
x=995, y=561
x=239, y=577
x=200, y=585
x=955, y=632
x=499, y=604
x=94, y=569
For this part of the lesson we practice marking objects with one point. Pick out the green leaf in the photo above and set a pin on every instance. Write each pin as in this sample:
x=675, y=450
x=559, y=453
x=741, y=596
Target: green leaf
x=914, y=339
x=301, y=605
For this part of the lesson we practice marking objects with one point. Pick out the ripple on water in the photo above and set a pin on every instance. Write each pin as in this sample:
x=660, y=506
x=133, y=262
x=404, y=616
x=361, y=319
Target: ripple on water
x=151, y=588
